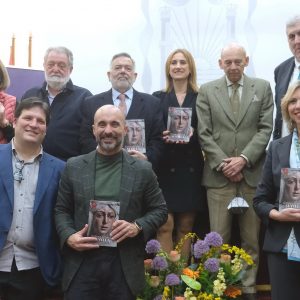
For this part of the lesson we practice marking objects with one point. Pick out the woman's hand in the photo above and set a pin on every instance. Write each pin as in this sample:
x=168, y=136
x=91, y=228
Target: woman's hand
x=3, y=121
x=285, y=215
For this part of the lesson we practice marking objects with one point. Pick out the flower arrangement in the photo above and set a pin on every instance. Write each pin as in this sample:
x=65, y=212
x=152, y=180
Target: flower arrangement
x=215, y=271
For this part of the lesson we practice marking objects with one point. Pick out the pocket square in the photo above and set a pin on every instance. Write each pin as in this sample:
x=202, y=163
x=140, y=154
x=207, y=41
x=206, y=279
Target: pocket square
x=255, y=99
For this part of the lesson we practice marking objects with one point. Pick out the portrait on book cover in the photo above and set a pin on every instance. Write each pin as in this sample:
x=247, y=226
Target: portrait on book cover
x=179, y=123
x=102, y=215
x=135, y=137
x=289, y=188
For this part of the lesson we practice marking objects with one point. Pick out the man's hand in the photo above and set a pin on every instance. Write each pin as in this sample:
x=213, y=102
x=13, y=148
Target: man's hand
x=122, y=230
x=234, y=165
x=236, y=178
x=79, y=242
x=285, y=215
x=137, y=154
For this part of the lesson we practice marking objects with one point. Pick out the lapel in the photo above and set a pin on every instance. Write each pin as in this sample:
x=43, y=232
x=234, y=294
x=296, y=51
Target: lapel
x=6, y=172
x=248, y=95
x=107, y=98
x=286, y=75
x=127, y=181
x=46, y=169
x=222, y=97
x=88, y=175
x=284, y=146
x=136, y=107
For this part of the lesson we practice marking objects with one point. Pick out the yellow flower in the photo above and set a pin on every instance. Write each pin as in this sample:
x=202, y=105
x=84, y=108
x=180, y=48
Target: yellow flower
x=166, y=292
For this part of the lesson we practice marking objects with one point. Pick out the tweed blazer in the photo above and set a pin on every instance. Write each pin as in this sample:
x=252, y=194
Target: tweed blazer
x=140, y=199
x=222, y=137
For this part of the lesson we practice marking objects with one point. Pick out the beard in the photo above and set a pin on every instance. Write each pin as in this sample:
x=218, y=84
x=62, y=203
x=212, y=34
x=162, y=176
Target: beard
x=111, y=147
x=57, y=82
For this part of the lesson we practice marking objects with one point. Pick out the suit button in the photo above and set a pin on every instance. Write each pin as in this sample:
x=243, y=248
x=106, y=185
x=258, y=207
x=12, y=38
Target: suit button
x=172, y=170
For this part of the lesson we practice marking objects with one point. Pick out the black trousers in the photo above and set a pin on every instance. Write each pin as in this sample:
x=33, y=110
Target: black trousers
x=20, y=285
x=100, y=277
x=284, y=277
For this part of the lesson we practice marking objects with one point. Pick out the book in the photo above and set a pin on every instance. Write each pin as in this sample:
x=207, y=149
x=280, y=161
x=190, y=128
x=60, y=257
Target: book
x=135, y=137
x=179, y=123
x=102, y=214
x=289, y=195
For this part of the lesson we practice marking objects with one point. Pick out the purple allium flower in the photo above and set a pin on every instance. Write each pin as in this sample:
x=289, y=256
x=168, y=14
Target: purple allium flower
x=172, y=279
x=200, y=248
x=153, y=246
x=213, y=239
x=158, y=297
x=212, y=265
x=159, y=263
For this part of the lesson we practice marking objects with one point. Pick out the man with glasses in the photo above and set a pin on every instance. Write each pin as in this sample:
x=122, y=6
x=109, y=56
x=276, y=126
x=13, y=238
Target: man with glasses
x=29, y=177
x=65, y=100
x=235, y=116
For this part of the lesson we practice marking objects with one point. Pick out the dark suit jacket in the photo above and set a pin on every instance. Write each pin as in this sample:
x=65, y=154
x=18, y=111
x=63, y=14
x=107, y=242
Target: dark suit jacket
x=282, y=75
x=267, y=195
x=140, y=200
x=62, y=139
x=143, y=106
x=46, y=241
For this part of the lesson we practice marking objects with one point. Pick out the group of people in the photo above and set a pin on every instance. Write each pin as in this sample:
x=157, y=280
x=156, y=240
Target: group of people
x=63, y=147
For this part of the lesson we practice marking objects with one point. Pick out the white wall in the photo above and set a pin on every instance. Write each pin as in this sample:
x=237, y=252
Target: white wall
x=147, y=29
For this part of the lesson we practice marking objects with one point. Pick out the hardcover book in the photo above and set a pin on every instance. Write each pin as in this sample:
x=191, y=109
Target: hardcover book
x=289, y=196
x=102, y=214
x=135, y=137
x=179, y=123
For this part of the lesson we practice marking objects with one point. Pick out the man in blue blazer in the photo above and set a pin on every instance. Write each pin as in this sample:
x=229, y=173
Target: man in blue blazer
x=286, y=73
x=29, y=254
x=139, y=105
x=109, y=174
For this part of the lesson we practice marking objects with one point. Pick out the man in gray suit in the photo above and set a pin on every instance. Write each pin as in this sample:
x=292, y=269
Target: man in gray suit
x=107, y=174
x=286, y=73
x=235, y=123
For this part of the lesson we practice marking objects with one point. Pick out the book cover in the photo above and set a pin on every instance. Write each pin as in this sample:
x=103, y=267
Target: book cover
x=179, y=123
x=135, y=137
x=102, y=214
x=289, y=195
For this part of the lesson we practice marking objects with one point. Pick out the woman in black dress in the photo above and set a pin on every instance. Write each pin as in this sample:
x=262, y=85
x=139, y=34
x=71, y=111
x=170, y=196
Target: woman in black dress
x=180, y=170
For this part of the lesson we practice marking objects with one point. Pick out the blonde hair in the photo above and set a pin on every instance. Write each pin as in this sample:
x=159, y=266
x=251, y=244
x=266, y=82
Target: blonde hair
x=286, y=100
x=4, y=77
x=192, y=79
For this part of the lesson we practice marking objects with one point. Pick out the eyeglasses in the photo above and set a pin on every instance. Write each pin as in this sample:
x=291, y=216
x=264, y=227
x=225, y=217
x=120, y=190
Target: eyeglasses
x=18, y=173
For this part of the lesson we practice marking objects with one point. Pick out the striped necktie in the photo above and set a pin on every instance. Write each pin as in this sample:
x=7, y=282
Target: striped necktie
x=122, y=105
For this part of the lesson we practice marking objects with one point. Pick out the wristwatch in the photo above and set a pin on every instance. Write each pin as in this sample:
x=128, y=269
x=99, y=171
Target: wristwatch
x=138, y=226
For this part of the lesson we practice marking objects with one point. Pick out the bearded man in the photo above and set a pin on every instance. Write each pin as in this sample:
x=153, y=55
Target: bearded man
x=134, y=105
x=107, y=174
x=65, y=100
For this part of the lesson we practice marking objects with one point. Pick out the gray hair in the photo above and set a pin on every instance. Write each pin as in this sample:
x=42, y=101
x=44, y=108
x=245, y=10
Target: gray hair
x=60, y=49
x=122, y=54
x=293, y=21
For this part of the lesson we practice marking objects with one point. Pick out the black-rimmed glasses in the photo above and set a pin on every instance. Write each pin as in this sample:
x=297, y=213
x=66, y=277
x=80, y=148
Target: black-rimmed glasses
x=18, y=173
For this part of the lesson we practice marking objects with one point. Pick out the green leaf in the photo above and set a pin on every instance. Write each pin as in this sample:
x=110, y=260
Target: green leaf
x=192, y=283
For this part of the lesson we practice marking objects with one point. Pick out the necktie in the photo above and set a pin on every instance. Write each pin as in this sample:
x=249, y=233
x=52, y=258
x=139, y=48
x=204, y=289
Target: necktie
x=235, y=100
x=122, y=104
